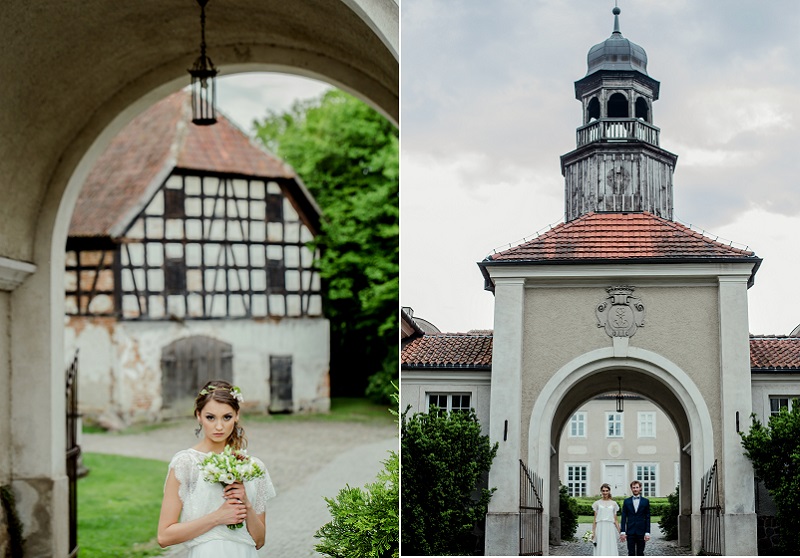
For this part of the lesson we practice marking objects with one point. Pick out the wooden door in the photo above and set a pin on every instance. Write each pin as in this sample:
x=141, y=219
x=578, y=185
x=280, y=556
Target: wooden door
x=280, y=384
x=186, y=365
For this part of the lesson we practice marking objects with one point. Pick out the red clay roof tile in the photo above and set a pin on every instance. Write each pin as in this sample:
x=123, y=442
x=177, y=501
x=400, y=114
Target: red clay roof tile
x=148, y=148
x=448, y=350
x=619, y=236
x=777, y=353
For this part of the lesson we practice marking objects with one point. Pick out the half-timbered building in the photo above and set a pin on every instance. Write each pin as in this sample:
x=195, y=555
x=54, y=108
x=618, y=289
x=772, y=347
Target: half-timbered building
x=190, y=257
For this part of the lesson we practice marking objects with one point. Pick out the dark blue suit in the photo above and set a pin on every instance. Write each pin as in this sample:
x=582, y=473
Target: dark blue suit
x=635, y=524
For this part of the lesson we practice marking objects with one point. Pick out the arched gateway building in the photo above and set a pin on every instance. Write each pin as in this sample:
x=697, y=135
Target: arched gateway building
x=617, y=295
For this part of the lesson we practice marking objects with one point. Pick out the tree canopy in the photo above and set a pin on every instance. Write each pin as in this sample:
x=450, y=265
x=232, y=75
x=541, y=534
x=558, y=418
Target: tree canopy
x=347, y=155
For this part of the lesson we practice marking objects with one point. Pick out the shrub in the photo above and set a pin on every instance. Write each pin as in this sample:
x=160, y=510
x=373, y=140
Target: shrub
x=445, y=460
x=776, y=461
x=568, y=511
x=364, y=523
x=669, y=517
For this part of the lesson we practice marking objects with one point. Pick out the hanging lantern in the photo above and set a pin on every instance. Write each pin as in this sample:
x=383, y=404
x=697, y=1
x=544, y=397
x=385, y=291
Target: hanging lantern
x=619, y=395
x=204, y=80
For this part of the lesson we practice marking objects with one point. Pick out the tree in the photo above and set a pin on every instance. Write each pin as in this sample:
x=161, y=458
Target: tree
x=568, y=511
x=445, y=460
x=347, y=155
x=775, y=454
x=364, y=523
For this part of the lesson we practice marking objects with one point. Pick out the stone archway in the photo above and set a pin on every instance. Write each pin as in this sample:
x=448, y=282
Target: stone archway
x=60, y=114
x=663, y=382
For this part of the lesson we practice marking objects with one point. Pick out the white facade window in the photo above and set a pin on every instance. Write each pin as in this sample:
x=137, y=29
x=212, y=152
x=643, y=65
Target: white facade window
x=778, y=402
x=614, y=425
x=450, y=401
x=647, y=475
x=647, y=424
x=577, y=425
x=577, y=479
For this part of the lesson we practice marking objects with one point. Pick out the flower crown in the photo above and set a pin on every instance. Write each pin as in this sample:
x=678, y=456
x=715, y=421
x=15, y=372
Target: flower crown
x=236, y=393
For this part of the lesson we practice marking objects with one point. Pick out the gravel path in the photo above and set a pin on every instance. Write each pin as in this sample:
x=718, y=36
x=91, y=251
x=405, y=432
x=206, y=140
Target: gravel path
x=656, y=546
x=307, y=460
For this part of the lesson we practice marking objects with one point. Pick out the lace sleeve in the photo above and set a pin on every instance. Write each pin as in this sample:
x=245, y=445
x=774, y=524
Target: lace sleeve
x=264, y=490
x=184, y=467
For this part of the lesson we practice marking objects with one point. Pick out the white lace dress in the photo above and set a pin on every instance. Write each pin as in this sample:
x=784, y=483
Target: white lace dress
x=606, y=534
x=200, y=498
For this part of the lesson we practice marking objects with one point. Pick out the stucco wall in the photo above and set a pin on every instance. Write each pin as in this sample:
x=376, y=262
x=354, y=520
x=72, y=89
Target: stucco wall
x=560, y=324
x=120, y=362
x=5, y=380
x=766, y=385
x=416, y=384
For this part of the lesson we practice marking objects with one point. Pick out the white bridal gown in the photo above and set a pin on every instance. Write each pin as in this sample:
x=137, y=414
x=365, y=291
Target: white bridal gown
x=200, y=497
x=606, y=534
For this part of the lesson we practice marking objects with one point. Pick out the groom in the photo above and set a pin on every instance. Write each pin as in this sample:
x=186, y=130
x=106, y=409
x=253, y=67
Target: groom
x=635, y=524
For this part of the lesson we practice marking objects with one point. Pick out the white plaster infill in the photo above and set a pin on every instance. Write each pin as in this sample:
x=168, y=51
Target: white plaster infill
x=13, y=273
x=630, y=358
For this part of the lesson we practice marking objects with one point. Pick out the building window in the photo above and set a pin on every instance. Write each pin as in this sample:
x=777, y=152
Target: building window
x=646, y=474
x=647, y=424
x=577, y=480
x=776, y=403
x=450, y=401
x=613, y=425
x=577, y=425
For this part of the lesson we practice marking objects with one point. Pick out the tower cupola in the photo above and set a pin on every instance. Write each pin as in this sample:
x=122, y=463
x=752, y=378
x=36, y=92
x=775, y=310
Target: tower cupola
x=617, y=164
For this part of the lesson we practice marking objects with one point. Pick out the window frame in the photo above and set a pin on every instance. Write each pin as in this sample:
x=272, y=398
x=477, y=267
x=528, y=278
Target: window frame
x=449, y=395
x=649, y=486
x=639, y=421
x=577, y=422
x=619, y=419
x=580, y=483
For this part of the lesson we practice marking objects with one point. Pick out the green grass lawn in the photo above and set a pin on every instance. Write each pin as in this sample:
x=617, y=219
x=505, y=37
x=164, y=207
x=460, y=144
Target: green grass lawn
x=118, y=506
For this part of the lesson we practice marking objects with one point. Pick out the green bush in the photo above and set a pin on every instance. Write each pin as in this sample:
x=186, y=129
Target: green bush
x=669, y=517
x=445, y=460
x=658, y=505
x=364, y=523
x=568, y=511
x=774, y=452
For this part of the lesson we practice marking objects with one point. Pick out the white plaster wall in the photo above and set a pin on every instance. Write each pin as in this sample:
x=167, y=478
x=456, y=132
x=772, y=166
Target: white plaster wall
x=416, y=384
x=120, y=363
x=766, y=385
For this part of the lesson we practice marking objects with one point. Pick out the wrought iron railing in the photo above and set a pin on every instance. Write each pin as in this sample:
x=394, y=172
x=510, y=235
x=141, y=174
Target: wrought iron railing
x=73, y=453
x=711, y=515
x=531, y=513
x=619, y=129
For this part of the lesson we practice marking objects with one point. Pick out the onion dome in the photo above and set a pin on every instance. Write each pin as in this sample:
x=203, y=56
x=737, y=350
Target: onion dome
x=617, y=53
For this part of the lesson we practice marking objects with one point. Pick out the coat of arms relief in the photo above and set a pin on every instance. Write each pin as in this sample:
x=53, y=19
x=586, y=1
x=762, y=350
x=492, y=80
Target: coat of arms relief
x=621, y=313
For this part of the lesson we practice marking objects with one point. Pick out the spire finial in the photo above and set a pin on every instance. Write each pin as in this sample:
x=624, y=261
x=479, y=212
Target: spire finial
x=616, y=11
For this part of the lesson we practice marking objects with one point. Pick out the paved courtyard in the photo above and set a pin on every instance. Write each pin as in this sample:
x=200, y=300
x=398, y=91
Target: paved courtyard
x=307, y=460
x=657, y=546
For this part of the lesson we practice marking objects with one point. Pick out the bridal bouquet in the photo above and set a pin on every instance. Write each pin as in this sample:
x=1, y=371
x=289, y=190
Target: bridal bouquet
x=588, y=536
x=228, y=467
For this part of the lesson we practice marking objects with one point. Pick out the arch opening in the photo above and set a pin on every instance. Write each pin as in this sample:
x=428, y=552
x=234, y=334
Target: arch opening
x=593, y=110
x=642, y=109
x=617, y=106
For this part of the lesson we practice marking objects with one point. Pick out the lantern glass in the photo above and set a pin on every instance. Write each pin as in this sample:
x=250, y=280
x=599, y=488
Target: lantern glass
x=204, y=96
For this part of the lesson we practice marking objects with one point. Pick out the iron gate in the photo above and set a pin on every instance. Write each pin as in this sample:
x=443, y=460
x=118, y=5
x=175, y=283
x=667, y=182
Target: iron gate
x=73, y=453
x=711, y=514
x=531, y=513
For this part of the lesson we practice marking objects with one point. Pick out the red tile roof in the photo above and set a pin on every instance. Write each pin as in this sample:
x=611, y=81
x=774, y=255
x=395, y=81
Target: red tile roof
x=603, y=236
x=146, y=151
x=778, y=353
x=448, y=350
x=474, y=350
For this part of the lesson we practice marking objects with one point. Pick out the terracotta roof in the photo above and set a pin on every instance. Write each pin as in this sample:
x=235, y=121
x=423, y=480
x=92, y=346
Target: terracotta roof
x=448, y=350
x=778, y=353
x=143, y=154
x=603, y=236
x=474, y=350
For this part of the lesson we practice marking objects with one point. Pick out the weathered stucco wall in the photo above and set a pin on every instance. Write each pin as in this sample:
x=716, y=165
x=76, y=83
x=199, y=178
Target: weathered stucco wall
x=5, y=381
x=120, y=362
x=560, y=324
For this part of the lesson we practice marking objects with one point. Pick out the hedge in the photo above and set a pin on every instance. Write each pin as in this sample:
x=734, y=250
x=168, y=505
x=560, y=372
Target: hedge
x=658, y=506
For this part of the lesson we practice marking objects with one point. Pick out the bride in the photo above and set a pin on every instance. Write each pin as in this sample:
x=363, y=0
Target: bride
x=198, y=512
x=605, y=526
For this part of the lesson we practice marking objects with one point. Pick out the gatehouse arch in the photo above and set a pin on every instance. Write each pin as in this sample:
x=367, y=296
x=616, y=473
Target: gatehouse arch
x=641, y=371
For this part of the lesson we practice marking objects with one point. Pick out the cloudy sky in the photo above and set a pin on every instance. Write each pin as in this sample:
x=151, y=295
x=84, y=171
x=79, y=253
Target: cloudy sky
x=488, y=107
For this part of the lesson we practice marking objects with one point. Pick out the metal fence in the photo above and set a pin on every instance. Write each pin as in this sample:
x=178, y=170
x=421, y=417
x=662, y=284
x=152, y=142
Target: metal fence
x=73, y=453
x=531, y=516
x=711, y=514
